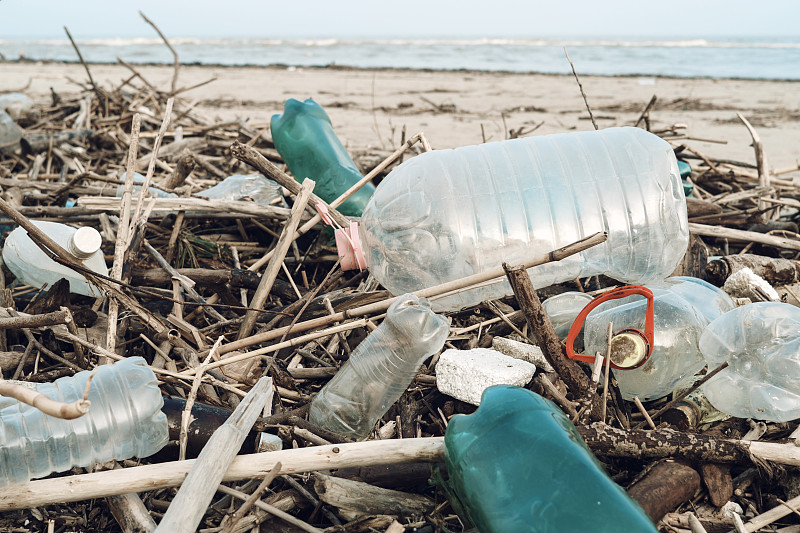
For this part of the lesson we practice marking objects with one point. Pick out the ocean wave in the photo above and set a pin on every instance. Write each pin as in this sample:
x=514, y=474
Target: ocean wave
x=334, y=42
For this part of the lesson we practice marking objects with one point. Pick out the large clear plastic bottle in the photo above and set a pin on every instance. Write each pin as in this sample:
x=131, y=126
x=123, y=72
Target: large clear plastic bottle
x=683, y=308
x=32, y=266
x=761, y=343
x=124, y=421
x=517, y=465
x=380, y=368
x=447, y=214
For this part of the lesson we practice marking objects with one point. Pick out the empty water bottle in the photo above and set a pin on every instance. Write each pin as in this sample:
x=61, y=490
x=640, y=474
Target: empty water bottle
x=761, y=343
x=380, y=368
x=15, y=104
x=447, y=214
x=32, y=266
x=562, y=309
x=681, y=309
x=10, y=133
x=249, y=187
x=304, y=137
x=519, y=465
x=124, y=421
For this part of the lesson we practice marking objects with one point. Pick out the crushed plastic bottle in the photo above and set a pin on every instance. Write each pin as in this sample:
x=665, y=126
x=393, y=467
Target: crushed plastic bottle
x=683, y=307
x=761, y=343
x=380, y=369
x=253, y=187
x=124, y=421
x=519, y=465
x=10, y=133
x=447, y=214
x=15, y=104
x=304, y=137
x=32, y=266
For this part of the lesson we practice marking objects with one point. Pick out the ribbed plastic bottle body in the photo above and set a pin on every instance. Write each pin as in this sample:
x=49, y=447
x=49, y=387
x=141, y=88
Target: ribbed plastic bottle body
x=518, y=465
x=447, y=214
x=304, y=136
x=761, y=343
x=380, y=369
x=683, y=308
x=31, y=265
x=124, y=421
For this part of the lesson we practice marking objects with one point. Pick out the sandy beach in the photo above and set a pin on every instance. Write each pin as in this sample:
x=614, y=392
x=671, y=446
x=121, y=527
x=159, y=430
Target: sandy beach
x=454, y=108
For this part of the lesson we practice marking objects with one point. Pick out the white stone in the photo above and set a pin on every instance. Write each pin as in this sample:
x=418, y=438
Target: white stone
x=522, y=350
x=743, y=284
x=465, y=374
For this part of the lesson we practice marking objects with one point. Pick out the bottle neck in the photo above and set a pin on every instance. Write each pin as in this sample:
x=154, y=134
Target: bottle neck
x=84, y=243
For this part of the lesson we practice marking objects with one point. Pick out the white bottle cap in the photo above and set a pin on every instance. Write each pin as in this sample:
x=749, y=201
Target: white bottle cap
x=85, y=242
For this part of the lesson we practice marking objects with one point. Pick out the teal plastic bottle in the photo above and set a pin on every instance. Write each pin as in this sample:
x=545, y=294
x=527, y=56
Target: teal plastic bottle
x=304, y=137
x=519, y=465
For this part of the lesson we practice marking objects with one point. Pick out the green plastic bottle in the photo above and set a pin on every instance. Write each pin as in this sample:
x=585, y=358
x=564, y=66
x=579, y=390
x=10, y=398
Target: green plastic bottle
x=519, y=465
x=304, y=137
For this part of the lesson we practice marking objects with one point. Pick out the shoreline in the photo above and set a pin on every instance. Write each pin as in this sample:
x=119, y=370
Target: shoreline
x=337, y=66
x=370, y=107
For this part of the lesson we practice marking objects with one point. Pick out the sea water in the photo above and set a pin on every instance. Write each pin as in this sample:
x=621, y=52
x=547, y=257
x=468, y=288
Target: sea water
x=774, y=57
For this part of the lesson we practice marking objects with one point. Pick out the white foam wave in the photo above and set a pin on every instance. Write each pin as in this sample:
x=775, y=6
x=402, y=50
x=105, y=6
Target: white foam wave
x=332, y=42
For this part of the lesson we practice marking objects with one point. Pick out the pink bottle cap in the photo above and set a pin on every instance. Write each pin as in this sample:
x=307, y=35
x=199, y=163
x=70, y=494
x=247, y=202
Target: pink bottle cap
x=348, y=243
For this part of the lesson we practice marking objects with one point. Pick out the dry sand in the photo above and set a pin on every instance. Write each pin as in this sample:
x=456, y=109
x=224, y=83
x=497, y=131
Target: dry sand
x=370, y=107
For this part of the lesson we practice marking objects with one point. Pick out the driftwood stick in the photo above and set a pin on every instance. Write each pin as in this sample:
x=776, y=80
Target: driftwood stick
x=177, y=63
x=131, y=514
x=274, y=266
x=36, y=321
x=553, y=349
x=67, y=411
x=122, y=232
x=645, y=113
x=151, y=167
x=286, y=517
x=85, y=66
x=761, y=158
x=695, y=525
x=742, y=235
x=171, y=474
x=255, y=496
x=183, y=436
x=666, y=486
x=776, y=513
x=662, y=443
x=103, y=204
x=580, y=86
x=379, y=307
x=297, y=341
x=189, y=505
x=185, y=282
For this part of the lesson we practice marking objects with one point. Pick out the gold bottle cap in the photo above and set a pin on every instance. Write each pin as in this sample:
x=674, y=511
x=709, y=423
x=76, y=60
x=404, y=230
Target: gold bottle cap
x=628, y=349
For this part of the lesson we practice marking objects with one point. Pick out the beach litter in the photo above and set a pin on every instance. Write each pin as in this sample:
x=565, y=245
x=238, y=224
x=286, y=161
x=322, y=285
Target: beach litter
x=237, y=303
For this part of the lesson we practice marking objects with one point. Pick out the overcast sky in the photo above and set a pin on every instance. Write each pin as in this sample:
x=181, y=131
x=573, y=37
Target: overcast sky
x=375, y=18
